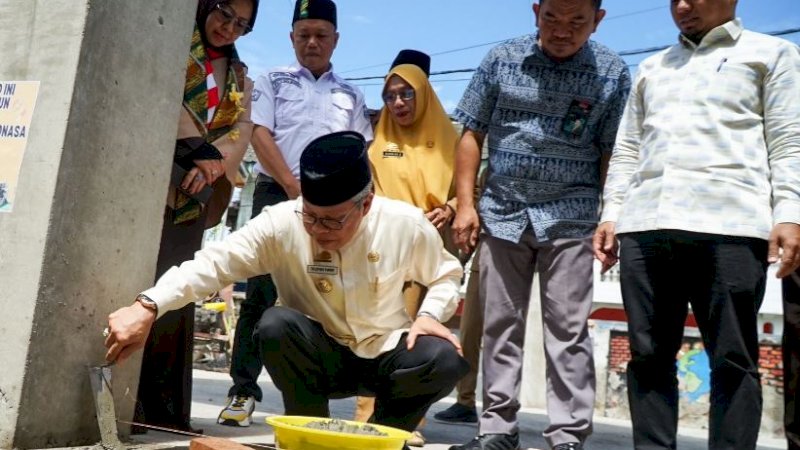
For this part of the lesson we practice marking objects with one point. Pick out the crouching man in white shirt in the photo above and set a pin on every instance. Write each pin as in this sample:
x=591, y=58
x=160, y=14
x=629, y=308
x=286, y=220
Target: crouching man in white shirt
x=339, y=256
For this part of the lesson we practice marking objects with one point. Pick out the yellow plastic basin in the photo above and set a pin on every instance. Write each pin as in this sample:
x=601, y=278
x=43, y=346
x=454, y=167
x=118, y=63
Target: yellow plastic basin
x=291, y=434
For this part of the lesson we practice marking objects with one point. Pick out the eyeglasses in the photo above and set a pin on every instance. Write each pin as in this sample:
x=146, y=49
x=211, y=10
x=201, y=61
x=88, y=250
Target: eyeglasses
x=404, y=95
x=240, y=25
x=331, y=224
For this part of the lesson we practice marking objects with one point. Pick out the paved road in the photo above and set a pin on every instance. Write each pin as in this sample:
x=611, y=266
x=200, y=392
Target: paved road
x=210, y=389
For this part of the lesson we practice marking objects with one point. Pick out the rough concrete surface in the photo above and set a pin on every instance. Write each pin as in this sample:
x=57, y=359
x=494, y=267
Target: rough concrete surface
x=83, y=236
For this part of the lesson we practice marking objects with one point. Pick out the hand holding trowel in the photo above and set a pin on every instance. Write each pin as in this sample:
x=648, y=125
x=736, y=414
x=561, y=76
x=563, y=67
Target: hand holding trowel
x=126, y=332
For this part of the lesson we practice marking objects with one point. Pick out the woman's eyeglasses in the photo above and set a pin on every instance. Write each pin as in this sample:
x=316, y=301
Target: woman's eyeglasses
x=404, y=95
x=240, y=25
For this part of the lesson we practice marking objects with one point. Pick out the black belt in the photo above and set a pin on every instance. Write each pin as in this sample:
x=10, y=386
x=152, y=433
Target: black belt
x=264, y=178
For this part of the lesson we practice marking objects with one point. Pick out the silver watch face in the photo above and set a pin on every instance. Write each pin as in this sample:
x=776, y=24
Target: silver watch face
x=146, y=302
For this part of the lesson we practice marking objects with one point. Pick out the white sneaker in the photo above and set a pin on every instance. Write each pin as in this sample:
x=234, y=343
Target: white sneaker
x=417, y=439
x=238, y=411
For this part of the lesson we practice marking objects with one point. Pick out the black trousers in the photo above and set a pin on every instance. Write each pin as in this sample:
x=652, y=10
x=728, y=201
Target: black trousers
x=791, y=359
x=261, y=294
x=723, y=278
x=165, y=383
x=309, y=367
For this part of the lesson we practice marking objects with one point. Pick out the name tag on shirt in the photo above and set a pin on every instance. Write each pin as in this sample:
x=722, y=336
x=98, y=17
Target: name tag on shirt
x=392, y=151
x=316, y=269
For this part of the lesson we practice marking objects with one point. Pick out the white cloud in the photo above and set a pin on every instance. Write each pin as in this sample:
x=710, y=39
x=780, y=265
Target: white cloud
x=362, y=19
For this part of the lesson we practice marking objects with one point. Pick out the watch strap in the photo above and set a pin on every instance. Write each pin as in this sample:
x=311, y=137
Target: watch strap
x=147, y=302
x=427, y=314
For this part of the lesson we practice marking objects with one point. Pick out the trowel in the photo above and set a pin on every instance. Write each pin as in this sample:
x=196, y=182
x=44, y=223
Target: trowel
x=100, y=378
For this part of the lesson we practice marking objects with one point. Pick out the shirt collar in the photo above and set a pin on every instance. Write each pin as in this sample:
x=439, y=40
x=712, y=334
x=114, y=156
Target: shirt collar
x=536, y=50
x=300, y=70
x=728, y=31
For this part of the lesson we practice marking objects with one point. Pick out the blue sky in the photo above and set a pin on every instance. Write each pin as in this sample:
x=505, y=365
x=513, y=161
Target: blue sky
x=373, y=31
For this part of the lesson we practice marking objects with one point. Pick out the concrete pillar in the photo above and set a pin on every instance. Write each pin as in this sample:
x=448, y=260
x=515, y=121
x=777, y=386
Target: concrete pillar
x=83, y=234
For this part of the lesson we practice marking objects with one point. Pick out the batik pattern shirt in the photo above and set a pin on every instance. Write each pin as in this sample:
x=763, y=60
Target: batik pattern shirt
x=548, y=124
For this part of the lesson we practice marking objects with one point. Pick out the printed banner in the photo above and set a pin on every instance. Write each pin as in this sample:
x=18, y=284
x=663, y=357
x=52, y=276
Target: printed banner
x=17, y=101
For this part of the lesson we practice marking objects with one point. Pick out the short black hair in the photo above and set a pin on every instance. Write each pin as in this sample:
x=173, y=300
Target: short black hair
x=597, y=3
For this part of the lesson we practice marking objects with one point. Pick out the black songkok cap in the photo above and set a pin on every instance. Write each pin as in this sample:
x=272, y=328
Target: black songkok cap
x=334, y=168
x=415, y=57
x=315, y=9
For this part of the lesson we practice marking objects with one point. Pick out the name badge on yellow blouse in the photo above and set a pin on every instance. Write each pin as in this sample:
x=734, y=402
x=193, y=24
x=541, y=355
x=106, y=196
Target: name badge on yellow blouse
x=392, y=151
x=318, y=269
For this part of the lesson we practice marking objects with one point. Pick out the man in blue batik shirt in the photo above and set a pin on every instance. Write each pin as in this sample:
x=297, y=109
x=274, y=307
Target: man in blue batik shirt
x=550, y=105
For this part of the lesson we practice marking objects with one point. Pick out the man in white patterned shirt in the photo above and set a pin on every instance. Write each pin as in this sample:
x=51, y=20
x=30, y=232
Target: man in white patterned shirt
x=703, y=192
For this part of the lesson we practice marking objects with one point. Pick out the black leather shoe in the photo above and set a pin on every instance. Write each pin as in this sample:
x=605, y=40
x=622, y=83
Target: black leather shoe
x=569, y=446
x=457, y=413
x=491, y=442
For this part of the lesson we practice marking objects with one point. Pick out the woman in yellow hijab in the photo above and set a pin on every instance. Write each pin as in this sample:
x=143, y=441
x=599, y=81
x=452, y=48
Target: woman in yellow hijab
x=413, y=159
x=413, y=153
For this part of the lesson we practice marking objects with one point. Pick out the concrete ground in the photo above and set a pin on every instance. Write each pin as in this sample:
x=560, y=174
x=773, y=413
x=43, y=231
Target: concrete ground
x=210, y=389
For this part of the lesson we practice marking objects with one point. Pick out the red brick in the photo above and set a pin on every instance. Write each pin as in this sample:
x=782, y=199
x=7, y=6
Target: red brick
x=208, y=443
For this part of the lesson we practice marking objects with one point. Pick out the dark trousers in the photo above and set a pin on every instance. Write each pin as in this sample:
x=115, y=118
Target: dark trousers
x=309, y=367
x=261, y=294
x=723, y=278
x=791, y=358
x=165, y=383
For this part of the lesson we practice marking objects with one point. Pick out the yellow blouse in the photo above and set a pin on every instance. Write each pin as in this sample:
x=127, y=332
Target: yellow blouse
x=415, y=164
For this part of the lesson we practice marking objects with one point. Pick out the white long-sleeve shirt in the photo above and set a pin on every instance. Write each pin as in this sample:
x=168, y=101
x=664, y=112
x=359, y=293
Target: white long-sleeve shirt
x=354, y=293
x=710, y=138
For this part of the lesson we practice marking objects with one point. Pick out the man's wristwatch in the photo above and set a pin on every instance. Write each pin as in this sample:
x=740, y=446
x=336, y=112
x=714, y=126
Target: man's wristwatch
x=427, y=314
x=147, y=302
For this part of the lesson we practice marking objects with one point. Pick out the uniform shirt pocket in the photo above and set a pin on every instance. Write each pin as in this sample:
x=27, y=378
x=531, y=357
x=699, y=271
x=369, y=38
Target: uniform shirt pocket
x=289, y=107
x=342, y=110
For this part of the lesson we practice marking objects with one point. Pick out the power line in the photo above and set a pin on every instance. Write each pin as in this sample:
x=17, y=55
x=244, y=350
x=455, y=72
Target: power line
x=432, y=54
x=633, y=13
x=437, y=81
x=443, y=72
x=663, y=47
x=640, y=51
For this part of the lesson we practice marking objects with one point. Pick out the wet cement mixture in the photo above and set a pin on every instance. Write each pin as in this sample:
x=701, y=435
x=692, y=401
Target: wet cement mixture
x=344, y=427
